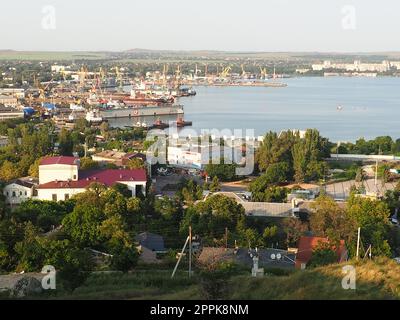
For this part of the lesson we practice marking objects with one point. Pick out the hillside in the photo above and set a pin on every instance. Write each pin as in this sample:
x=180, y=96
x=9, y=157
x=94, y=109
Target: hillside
x=378, y=279
x=374, y=280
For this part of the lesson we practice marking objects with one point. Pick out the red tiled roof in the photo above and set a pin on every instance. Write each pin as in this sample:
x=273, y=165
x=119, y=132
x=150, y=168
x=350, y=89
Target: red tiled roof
x=308, y=244
x=59, y=160
x=107, y=177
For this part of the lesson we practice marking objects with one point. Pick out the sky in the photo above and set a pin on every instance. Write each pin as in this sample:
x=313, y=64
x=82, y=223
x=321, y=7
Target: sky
x=227, y=25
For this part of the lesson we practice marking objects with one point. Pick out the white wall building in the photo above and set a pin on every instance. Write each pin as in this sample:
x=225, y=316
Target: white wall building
x=198, y=156
x=58, y=168
x=60, y=179
x=20, y=190
x=356, y=66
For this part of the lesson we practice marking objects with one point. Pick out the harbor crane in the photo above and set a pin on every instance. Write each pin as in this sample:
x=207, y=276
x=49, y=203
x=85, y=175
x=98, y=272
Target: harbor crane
x=178, y=77
x=165, y=72
x=243, y=71
x=263, y=73
x=82, y=77
x=119, y=78
x=225, y=72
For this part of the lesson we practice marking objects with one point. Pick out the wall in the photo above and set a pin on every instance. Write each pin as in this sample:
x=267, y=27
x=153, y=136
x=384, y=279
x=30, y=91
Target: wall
x=47, y=194
x=20, y=195
x=61, y=172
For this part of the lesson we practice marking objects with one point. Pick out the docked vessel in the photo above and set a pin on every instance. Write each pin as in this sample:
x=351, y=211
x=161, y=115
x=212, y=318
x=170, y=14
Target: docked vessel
x=139, y=111
x=93, y=117
x=180, y=123
x=159, y=125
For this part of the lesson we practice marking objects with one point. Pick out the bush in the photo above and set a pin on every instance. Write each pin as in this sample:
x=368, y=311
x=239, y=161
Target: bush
x=213, y=280
x=124, y=259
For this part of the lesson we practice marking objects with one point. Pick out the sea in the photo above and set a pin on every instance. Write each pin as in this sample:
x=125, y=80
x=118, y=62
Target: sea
x=341, y=108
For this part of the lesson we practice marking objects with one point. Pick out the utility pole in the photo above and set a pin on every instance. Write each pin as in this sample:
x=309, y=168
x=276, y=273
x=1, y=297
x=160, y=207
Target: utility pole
x=180, y=257
x=358, y=242
x=190, y=251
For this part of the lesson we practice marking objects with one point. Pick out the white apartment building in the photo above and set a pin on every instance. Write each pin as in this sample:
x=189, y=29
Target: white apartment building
x=356, y=66
x=195, y=156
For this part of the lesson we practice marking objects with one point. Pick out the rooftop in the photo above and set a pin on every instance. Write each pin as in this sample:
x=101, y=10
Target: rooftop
x=107, y=177
x=308, y=244
x=59, y=160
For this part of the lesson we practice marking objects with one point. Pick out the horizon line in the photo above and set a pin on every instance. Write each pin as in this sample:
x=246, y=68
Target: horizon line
x=208, y=50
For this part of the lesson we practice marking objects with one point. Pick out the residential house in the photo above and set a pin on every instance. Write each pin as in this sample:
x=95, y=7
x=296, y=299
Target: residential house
x=60, y=178
x=151, y=241
x=307, y=245
x=267, y=258
x=20, y=190
x=116, y=157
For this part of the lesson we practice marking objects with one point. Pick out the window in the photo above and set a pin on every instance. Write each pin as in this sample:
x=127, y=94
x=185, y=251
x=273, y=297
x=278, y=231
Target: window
x=26, y=193
x=54, y=197
x=20, y=193
x=13, y=194
x=66, y=196
x=74, y=176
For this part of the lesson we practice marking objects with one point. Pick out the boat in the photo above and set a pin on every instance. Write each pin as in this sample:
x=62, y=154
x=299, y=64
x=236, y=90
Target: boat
x=75, y=107
x=139, y=97
x=187, y=92
x=182, y=123
x=140, y=125
x=159, y=125
x=93, y=117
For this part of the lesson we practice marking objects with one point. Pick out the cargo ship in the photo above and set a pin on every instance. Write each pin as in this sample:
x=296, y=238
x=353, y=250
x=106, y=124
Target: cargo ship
x=140, y=111
x=132, y=99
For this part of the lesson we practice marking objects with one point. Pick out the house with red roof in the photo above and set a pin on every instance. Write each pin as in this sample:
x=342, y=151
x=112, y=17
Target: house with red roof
x=60, y=178
x=307, y=245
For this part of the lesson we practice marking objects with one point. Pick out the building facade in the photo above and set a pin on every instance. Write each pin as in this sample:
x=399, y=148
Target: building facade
x=20, y=190
x=60, y=179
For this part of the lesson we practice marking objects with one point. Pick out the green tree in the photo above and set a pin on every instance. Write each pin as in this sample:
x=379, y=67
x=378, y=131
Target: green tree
x=82, y=225
x=65, y=143
x=275, y=149
x=323, y=255
x=136, y=163
x=8, y=171
x=215, y=185
x=124, y=259
x=327, y=219
x=88, y=163
x=224, y=172
x=372, y=216
x=34, y=168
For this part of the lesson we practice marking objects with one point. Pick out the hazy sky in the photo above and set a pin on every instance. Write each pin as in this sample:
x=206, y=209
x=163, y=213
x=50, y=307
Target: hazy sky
x=247, y=25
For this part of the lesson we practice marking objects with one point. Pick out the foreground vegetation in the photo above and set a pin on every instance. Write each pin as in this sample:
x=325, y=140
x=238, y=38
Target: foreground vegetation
x=375, y=279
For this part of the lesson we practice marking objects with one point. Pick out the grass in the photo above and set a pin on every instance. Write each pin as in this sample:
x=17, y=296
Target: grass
x=138, y=285
x=377, y=279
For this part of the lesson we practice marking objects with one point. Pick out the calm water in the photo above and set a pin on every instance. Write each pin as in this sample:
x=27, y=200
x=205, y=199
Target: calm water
x=370, y=107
